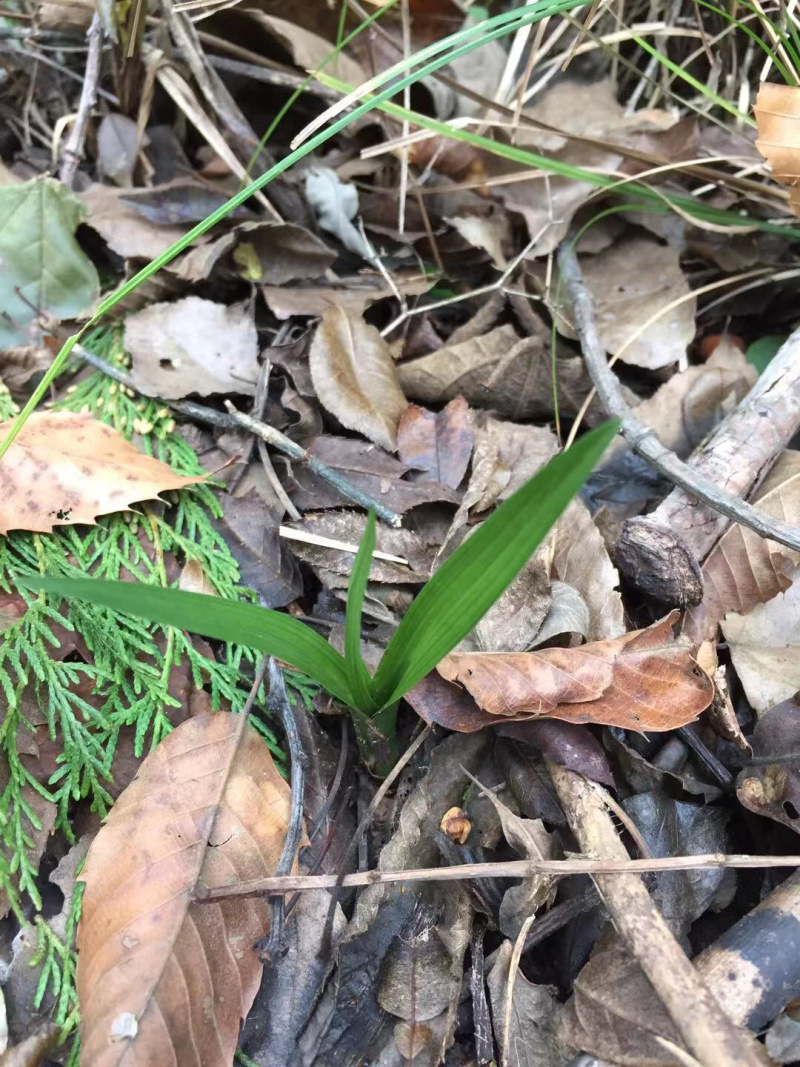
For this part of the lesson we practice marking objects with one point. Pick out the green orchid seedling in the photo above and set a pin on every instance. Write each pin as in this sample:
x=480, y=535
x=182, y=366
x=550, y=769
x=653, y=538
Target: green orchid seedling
x=449, y=605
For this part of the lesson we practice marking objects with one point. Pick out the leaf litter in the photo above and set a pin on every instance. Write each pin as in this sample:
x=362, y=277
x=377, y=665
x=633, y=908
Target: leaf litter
x=401, y=320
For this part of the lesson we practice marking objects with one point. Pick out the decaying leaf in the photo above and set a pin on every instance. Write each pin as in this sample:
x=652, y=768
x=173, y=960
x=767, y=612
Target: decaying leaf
x=507, y=454
x=307, y=49
x=271, y=253
x=192, y=346
x=266, y=565
x=777, y=111
x=333, y=565
x=534, y=1017
x=353, y=294
x=45, y=271
x=499, y=371
x=764, y=646
x=335, y=205
x=377, y=473
x=743, y=569
x=631, y=281
x=355, y=377
x=159, y=974
x=773, y=789
x=66, y=468
x=513, y=622
x=125, y=230
x=644, y=680
x=531, y=841
x=438, y=443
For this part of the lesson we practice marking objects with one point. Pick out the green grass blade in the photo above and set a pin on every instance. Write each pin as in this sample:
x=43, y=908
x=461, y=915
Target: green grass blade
x=360, y=678
x=271, y=632
x=529, y=14
x=660, y=201
x=470, y=581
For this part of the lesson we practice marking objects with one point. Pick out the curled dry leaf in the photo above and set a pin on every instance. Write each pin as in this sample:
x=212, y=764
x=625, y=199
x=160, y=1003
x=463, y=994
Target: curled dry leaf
x=161, y=976
x=644, y=680
x=355, y=377
x=777, y=111
x=773, y=789
x=438, y=443
x=192, y=346
x=66, y=468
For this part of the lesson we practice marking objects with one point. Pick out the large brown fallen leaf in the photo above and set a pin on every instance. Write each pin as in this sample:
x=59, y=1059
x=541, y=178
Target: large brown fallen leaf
x=644, y=680
x=355, y=377
x=193, y=346
x=66, y=468
x=745, y=570
x=777, y=111
x=498, y=370
x=161, y=977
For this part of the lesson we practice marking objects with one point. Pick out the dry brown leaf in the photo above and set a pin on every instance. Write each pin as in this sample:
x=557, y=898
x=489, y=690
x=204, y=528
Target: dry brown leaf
x=580, y=558
x=644, y=680
x=439, y=443
x=777, y=111
x=745, y=570
x=764, y=646
x=500, y=371
x=66, y=468
x=513, y=622
x=355, y=294
x=192, y=346
x=161, y=977
x=125, y=230
x=632, y=281
x=355, y=376
x=491, y=233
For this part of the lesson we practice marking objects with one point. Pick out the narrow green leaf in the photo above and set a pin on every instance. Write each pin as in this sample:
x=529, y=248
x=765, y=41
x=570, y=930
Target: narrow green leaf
x=466, y=586
x=226, y=620
x=359, y=676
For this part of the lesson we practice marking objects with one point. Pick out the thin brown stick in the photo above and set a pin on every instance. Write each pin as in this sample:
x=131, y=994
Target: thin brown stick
x=709, y=1034
x=706, y=861
x=681, y=531
x=73, y=149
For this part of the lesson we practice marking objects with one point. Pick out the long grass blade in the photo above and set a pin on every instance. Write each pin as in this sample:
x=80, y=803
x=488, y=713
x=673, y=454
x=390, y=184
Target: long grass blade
x=271, y=632
x=360, y=678
x=469, y=582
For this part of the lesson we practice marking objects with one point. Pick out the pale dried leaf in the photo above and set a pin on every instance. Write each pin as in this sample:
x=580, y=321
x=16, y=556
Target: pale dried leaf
x=208, y=807
x=488, y=233
x=355, y=377
x=630, y=282
x=192, y=346
x=765, y=647
x=354, y=294
x=512, y=623
x=569, y=614
x=581, y=559
x=644, y=680
x=65, y=468
x=117, y=147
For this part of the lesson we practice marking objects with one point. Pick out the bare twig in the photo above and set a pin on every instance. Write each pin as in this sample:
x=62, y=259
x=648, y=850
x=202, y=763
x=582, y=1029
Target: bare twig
x=278, y=703
x=73, y=149
x=669, y=557
x=706, y=861
x=708, y=1032
x=271, y=436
